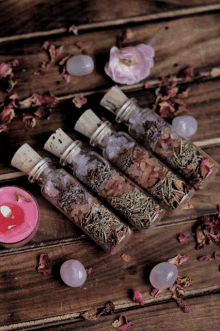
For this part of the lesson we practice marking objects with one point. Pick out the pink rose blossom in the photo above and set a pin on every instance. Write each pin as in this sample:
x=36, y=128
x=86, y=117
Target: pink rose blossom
x=130, y=65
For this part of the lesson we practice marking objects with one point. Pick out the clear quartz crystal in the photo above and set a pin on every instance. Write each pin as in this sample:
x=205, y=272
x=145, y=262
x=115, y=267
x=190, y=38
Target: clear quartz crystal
x=163, y=275
x=73, y=273
x=177, y=151
x=76, y=203
x=97, y=173
x=142, y=167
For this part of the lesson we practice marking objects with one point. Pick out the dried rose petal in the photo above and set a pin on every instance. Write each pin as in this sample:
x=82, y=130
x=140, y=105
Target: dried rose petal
x=200, y=238
x=154, y=292
x=126, y=257
x=215, y=72
x=29, y=121
x=147, y=85
x=43, y=112
x=184, y=94
x=216, y=255
x=53, y=50
x=179, y=259
x=39, y=73
x=182, y=238
x=94, y=314
x=3, y=128
x=90, y=314
x=137, y=297
x=205, y=258
x=188, y=205
x=88, y=271
x=205, y=166
x=172, y=91
x=5, y=69
x=44, y=264
x=122, y=323
x=7, y=115
x=11, y=84
x=187, y=72
x=79, y=100
x=166, y=109
x=73, y=29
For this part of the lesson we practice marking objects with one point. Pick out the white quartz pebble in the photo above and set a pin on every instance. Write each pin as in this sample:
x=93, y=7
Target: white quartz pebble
x=185, y=125
x=73, y=273
x=163, y=275
x=80, y=65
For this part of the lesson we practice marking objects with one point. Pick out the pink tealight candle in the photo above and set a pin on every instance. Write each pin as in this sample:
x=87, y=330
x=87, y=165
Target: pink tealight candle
x=19, y=217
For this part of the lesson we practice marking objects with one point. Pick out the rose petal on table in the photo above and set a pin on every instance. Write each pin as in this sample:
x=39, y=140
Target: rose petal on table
x=44, y=264
x=137, y=297
x=182, y=238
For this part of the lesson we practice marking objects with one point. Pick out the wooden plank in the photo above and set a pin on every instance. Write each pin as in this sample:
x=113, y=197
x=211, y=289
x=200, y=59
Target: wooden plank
x=32, y=17
x=203, y=103
x=24, y=287
x=166, y=316
x=187, y=51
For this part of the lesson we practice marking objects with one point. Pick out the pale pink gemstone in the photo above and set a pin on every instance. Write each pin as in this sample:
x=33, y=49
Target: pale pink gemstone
x=73, y=273
x=163, y=275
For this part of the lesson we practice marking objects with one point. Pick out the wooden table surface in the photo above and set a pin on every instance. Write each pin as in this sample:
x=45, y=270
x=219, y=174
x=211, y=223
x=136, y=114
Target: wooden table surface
x=187, y=33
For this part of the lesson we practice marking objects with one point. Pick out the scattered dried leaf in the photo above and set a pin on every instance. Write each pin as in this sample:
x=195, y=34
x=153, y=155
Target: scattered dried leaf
x=184, y=94
x=88, y=271
x=39, y=73
x=178, y=259
x=215, y=72
x=208, y=231
x=187, y=73
x=137, y=297
x=73, y=29
x=79, y=100
x=44, y=264
x=122, y=323
x=179, y=291
x=188, y=205
x=216, y=255
x=94, y=314
x=205, y=258
x=6, y=74
x=182, y=238
x=29, y=120
x=53, y=51
x=154, y=292
x=126, y=257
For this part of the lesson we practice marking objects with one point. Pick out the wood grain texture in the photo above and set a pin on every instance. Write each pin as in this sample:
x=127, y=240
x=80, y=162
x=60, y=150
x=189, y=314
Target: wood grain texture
x=31, y=16
x=49, y=297
x=188, y=41
x=163, y=317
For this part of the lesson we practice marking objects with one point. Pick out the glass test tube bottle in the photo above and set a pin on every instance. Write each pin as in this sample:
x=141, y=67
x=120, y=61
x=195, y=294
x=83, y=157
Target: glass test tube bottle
x=96, y=173
x=156, y=134
x=134, y=160
x=73, y=200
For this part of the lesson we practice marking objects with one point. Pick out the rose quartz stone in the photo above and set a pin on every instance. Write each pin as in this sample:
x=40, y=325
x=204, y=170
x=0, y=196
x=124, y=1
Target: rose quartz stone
x=80, y=65
x=73, y=273
x=186, y=126
x=163, y=275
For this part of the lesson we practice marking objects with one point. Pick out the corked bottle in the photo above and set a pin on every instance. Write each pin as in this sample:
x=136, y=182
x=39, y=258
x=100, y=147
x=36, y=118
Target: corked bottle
x=96, y=173
x=156, y=134
x=134, y=160
x=73, y=200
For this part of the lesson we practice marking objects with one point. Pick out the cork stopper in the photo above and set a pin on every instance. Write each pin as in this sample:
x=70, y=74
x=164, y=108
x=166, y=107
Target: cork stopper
x=114, y=99
x=25, y=159
x=58, y=142
x=88, y=123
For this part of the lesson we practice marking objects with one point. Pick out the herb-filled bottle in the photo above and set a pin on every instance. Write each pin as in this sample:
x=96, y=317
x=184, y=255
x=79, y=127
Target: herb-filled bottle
x=134, y=160
x=73, y=200
x=156, y=134
x=96, y=173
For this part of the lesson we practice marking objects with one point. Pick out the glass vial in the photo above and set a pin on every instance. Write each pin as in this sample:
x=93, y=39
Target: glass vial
x=154, y=133
x=134, y=160
x=97, y=174
x=73, y=200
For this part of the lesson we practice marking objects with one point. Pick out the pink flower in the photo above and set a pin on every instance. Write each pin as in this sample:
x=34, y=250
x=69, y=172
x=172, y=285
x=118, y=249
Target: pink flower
x=130, y=65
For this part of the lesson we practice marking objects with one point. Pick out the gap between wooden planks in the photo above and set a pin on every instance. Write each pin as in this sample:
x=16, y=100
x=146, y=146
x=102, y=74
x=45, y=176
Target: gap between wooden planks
x=118, y=22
